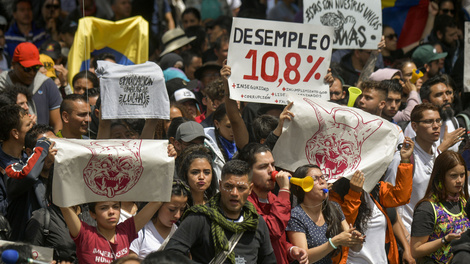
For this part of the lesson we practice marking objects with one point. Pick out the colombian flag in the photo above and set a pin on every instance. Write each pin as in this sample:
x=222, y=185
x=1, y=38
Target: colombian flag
x=127, y=39
x=407, y=17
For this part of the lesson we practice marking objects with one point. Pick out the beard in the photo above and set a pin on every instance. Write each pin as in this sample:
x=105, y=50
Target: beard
x=446, y=111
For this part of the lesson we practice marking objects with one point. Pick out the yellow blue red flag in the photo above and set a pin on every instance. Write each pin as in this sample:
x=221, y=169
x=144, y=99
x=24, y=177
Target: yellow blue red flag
x=126, y=39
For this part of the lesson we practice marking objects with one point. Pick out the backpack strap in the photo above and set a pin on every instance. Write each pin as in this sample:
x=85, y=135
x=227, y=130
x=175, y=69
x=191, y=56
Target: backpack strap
x=47, y=222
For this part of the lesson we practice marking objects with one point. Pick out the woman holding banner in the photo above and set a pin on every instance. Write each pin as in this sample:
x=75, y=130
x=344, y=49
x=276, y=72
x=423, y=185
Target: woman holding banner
x=109, y=240
x=369, y=214
x=439, y=217
x=318, y=224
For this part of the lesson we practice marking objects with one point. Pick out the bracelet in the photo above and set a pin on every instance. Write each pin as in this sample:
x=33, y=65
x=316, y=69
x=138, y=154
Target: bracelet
x=331, y=243
x=290, y=251
x=284, y=190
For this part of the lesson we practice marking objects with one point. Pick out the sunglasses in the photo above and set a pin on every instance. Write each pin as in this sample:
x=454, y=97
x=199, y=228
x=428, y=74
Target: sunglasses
x=391, y=36
x=51, y=6
x=32, y=68
x=447, y=11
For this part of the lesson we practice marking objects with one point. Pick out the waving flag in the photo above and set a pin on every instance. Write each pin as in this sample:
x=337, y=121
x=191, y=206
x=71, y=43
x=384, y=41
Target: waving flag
x=406, y=17
x=126, y=39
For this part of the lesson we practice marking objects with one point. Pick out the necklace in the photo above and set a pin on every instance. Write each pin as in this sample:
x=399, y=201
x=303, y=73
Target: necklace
x=109, y=244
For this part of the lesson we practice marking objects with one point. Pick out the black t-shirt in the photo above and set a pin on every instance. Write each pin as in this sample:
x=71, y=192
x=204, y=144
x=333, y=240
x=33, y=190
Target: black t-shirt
x=423, y=217
x=194, y=235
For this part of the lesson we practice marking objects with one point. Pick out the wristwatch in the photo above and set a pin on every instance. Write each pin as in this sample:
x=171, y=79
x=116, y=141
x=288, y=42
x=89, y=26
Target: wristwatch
x=443, y=240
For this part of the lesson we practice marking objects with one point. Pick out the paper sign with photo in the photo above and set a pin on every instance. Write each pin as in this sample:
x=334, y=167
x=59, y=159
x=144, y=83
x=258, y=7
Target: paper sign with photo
x=111, y=170
x=132, y=91
x=357, y=24
x=339, y=139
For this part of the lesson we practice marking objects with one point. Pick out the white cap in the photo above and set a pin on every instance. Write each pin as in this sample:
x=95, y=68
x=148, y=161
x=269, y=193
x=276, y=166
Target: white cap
x=184, y=94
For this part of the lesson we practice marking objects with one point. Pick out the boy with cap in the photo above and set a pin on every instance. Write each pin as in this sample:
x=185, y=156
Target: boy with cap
x=46, y=97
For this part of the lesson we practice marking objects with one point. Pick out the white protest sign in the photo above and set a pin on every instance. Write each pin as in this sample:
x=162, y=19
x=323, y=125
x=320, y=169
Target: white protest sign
x=132, y=91
x=466, y=67
x=357, y=23
x=270, y=60
x=111, y=170
x=339, y=139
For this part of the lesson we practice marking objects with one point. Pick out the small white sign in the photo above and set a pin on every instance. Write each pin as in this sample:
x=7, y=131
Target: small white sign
x=357, y=24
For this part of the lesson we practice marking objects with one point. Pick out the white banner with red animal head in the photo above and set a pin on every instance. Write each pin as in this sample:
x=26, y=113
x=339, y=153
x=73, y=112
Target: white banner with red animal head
x=111, y=170
x=339, y=139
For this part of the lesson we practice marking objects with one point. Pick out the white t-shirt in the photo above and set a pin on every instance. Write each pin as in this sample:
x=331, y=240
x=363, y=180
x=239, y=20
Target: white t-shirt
x=124, y=216
x=423, y=164
x=373, y=250
x=149, y=240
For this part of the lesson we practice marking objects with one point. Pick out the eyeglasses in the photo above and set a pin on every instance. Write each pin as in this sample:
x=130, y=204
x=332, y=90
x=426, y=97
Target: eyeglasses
x=34, y=68
x=392, y=36
x=430, y=122
x=51, y=6
x=448, y=11
x=321, y=177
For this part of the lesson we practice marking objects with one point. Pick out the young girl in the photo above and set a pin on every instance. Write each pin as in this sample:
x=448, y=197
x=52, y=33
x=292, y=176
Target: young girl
x=107, y=241
x=157, y=232
x=197, y=172
x=440, y=217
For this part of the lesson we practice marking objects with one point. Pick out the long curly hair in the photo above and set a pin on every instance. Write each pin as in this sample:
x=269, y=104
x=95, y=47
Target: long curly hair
x=341, y=187
x=436, y=191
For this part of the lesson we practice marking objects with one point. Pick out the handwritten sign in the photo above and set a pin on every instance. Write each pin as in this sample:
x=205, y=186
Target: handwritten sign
x=133, y=91
x=466, y=68
x=357, y=23
x=271, y=59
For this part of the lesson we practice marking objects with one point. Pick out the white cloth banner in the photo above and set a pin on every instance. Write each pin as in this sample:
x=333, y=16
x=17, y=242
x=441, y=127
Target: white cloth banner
x=357, y=24
x=270, y=60
x=466, y=68
x=339, y=139
x=111, y=170
x=133, y=91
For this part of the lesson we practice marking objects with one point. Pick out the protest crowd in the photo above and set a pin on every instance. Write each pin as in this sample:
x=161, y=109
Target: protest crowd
x=229, y=201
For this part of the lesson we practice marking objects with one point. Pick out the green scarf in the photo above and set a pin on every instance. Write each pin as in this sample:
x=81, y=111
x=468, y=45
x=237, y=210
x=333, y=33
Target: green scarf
x=219, y=222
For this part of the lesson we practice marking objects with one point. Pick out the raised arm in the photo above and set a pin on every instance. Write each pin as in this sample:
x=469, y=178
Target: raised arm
x=240, y=131
x=148, y=132
x=72, y=220
x=146, y=214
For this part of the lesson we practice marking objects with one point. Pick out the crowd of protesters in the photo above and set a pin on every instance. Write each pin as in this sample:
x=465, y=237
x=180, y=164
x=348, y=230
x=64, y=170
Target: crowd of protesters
x=229, y=202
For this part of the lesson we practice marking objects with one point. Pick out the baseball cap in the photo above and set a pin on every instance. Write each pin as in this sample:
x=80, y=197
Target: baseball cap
x=175, y=84
x=189, y=131
x=425, y=54
x=26, y=54
x=52, y=49
x=183, y=95
x=48, y=64
x=172, y=73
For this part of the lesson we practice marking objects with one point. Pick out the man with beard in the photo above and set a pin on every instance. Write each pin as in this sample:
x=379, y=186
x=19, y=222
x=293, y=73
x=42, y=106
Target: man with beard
x=436, y=92
x=445, y=32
